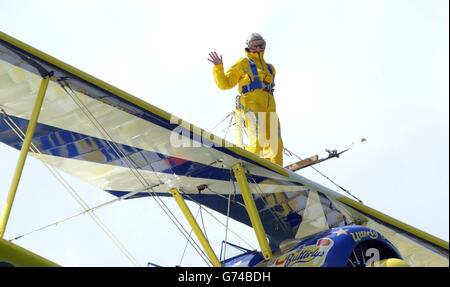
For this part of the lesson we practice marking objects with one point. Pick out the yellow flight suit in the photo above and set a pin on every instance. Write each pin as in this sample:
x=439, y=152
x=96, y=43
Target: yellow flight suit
x=255, y=102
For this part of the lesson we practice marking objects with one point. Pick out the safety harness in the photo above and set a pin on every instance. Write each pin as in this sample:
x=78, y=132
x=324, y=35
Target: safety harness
x=257, y=83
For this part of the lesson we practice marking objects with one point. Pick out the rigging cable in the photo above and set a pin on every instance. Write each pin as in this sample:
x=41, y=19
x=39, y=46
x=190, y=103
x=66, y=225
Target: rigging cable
x=259, y=190
x=290, y=153
x=218, y=220
x=226, y=227
x=117, y=150
x=226, y=117
x=72, y=192
x=133, y=167
x=203, y=223
x=229, y=125
x=125, y=196
x=228, y=217
x=187, y=241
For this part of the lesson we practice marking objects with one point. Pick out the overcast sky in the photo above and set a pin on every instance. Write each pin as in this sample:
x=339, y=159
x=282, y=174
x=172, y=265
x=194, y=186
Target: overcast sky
x=345, y=70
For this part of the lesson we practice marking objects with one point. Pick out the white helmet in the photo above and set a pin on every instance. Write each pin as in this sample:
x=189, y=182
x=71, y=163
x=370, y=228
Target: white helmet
x=254, y=37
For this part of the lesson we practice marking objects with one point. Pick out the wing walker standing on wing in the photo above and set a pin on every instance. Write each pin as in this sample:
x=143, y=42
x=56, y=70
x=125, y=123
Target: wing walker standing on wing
x=255, y=80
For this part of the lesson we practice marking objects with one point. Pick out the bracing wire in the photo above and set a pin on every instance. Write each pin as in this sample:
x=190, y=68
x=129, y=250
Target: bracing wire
x=73, y=193
x=226, y=117
x=187, y=241
x=259, y=190
x=219, y=221
x=229, y=125
x=117, y=150
x=226, y=227
x=132, y=166
x=203, y=223
x=290, y=153
x=125, y=196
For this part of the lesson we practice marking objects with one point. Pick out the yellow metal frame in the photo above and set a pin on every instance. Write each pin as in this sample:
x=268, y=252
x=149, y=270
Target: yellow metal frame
x=149, y=107
x=239, y=173
x=23, y=155
x=195, y=227
x=394, y=222
x=20, y=257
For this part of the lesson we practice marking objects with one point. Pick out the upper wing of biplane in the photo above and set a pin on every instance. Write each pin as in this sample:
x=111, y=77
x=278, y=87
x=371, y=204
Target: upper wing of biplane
x=131, y=149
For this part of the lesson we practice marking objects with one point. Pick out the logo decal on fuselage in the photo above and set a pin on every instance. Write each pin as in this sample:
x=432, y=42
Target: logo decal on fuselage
x=359, y=235
x=306, y=255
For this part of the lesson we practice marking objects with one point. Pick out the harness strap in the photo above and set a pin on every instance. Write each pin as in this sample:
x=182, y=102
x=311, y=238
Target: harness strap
x=257, y=83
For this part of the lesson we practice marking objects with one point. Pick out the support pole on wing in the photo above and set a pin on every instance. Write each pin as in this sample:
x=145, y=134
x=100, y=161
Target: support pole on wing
x=195, y=227
x=239, y=173
x=23, y=154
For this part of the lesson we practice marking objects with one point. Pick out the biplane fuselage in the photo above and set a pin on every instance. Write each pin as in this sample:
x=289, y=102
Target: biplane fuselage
x=348, y=246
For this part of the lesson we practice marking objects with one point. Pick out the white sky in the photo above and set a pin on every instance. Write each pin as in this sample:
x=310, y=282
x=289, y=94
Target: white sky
x=345, y=70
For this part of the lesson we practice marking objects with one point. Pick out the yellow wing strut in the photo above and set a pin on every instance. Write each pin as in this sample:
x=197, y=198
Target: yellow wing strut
x=242, y=181
x=195, y=227
x=23, y=155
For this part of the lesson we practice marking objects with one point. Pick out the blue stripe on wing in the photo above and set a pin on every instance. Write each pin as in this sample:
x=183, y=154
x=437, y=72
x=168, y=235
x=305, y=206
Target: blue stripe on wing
x=55, y=141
